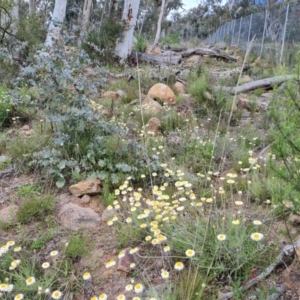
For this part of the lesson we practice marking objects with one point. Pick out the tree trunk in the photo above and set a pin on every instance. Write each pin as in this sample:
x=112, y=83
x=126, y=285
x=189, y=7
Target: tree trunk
x=56, y=22
x=85, y=19
x=124, y=46
x=160, y=19
x=32, y=7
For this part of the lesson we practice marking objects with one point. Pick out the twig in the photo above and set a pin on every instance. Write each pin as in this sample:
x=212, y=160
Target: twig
x=288, y=250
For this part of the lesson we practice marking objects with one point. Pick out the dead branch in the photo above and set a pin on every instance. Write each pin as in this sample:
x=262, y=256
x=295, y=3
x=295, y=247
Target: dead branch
x=156, y=59
x=262, y=83
x=209, y=52
x=288, y=250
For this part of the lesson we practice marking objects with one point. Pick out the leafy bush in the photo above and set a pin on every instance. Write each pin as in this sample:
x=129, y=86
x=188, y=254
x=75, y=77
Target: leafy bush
x=35, y=208
x=83, y=141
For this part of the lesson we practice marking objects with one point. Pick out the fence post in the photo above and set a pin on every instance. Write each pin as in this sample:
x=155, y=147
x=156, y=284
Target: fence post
x=263, y=37
x=239, y=31
x=249, y=32
x=232, y=32
x=284, y=32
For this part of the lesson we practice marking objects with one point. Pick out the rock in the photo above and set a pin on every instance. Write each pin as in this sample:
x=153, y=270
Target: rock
x=242, y=101
x=110, y=95
x=156, y=51
x=186, y=97
x=192, y=60
x=294, y=220
x=25, y=128
x=163, y=92
x=29, y=132
x=257, y=60
x=108, y=214
x=86, y=187
x=246, y=79
x=179, y=87
x=125, y=261
x=8, y=214
x=85, y=199
x=151, y=106
x=154, y=126
x=134, y=102
x=208, y=96
x=75, y=217
x=121, y=93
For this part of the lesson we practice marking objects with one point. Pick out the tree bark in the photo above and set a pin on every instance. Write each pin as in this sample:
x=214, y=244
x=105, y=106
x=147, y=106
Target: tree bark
x=85, y=19
x=56, y=22
x=209, y=52
x=158, y=30
x=157, y=59
x=262, y=83
x=124, y=46
x=32, y=7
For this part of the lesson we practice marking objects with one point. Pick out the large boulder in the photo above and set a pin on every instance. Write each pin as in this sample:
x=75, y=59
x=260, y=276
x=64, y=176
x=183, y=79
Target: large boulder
x=86, y=187
x=162, y=92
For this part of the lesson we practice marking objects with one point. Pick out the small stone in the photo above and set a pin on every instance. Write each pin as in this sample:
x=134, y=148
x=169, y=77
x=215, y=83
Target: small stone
x=154, y=125
x=110, y=95
x=294, y=220
x=8, y=214
x=121, y=93
x=85, y=199
x=25, y=128
x=208, y=96
x=194, y=59
x=86, y=187
x=29, y=132
x=246, y=79
x=125, y=261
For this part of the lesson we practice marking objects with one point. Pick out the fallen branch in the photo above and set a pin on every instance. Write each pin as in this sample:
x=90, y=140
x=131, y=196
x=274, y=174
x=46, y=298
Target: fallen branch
x=262, y=83
x=209, y=52
x=156, y=59
x=287, y=250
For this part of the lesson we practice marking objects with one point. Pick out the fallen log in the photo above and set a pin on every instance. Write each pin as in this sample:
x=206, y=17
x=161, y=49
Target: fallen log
x=156, y=59
x=209, y=52
x=287, y=251
x=262, y=83
x=177, y=49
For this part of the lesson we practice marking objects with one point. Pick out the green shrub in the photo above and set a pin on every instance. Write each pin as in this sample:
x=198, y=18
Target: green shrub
x=35, y=208
x=172, y=39
x=77, y=246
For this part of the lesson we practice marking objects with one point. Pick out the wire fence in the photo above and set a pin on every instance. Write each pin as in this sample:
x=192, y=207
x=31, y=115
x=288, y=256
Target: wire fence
x=275, y=33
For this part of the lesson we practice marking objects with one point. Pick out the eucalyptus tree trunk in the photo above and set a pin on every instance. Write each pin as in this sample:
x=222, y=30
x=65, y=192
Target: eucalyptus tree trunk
x=160, y=19
x=85, y=19
x=32, y=7
x=129, y=18
x=56, y=22
x=9, y=17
